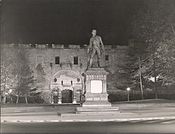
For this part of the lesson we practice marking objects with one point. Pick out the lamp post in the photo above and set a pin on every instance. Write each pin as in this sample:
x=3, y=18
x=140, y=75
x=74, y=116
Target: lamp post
x=5, y=97
x=9, y=92
x=128, y=90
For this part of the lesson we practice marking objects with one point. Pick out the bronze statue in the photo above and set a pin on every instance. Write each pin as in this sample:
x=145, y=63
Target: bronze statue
x=95, y=47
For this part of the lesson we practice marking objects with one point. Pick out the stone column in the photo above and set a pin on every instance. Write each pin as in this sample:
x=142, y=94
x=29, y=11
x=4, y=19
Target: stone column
x=88, y=84
x=59, y=96
x=74, y=96
x=52, y=101
x=104, y=85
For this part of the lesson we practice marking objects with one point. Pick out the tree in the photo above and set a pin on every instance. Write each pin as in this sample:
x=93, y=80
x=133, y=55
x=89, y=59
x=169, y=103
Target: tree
x=154, y=25
x=165, y=55
x=40, y=76
x=8, y=80
x=24, y=74
x=16, y=75
x=137, y=52
x=122, y=76
x=41, y=83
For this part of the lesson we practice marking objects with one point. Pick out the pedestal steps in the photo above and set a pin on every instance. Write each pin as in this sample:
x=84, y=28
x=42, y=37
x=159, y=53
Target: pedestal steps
x=97, y=109
x=96, y=103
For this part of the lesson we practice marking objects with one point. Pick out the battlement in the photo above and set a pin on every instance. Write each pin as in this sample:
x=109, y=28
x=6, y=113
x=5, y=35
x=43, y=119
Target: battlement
x=59, y=46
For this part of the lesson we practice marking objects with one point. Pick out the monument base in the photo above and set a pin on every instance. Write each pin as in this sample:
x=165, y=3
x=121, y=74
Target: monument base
x=94, y=107
x=93, y=99
x=96, y=95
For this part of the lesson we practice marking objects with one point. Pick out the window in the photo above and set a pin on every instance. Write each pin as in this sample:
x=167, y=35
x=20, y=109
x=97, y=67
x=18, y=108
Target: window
x=55, y=80
x=106, y=57
x=76, y=60
x=57, y=60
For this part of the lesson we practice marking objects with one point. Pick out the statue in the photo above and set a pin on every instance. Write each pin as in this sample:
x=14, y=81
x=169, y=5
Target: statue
x=95, y=47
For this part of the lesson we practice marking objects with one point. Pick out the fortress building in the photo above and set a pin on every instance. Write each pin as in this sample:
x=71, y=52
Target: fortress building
x=64, y=66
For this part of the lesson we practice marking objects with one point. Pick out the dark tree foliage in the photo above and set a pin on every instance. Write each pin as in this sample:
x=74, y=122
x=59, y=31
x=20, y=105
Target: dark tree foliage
x=154, y=25
x=40, y=78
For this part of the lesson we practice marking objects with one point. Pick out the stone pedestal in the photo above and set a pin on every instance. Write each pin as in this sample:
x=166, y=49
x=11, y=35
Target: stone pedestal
x=96, y=97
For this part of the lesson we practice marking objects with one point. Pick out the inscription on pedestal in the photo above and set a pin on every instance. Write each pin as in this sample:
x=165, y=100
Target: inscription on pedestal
x=96, y=86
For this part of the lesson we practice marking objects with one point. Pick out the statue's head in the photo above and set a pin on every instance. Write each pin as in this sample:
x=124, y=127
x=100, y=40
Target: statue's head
x=94, y=32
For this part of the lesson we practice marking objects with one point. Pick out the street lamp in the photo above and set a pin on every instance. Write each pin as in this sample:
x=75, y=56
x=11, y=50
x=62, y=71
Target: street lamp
x=5, y=97
x=10, y=91
x=128, y=90
x=6, y=93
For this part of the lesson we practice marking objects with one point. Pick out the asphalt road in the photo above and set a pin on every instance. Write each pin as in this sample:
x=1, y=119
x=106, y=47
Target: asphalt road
x=129, y=127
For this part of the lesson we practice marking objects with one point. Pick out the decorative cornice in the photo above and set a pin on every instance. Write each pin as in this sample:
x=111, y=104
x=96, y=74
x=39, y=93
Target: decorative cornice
x=96, y=71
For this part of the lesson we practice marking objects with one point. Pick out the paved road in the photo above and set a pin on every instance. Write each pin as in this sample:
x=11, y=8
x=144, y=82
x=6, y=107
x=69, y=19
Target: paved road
x=163, y=113
x=127, y=127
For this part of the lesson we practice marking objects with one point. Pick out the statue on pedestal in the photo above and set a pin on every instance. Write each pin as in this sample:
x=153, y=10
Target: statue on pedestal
x=95, y=84
x=95, y=47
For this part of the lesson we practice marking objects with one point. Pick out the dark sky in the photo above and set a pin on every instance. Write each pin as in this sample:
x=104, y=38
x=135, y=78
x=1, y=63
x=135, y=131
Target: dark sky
x=67, y=21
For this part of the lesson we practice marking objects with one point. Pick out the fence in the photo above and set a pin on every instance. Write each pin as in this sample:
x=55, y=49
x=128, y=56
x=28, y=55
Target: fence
x=136, y=95
x=118, y=95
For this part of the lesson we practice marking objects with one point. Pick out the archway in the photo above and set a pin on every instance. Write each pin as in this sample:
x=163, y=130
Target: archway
x=67, y=82
x=55, y=99
x=67, y=96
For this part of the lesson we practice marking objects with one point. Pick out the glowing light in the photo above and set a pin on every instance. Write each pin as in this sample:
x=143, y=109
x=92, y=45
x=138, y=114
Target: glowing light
x=10, y=91
x=128, y=88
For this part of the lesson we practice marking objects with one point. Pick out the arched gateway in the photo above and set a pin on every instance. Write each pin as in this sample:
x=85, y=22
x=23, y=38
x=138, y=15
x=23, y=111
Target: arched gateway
x=67, y=87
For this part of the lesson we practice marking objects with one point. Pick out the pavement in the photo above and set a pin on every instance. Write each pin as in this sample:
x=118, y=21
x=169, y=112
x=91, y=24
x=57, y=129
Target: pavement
x=127, y=112
x=127, y=127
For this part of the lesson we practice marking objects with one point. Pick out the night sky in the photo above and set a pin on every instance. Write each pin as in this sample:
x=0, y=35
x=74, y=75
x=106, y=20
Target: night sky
x=67, y=21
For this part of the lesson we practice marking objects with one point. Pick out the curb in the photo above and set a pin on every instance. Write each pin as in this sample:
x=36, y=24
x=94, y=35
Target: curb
x=88, y=120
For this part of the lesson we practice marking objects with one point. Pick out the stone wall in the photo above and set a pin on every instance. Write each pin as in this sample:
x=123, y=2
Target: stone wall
x=45, y=54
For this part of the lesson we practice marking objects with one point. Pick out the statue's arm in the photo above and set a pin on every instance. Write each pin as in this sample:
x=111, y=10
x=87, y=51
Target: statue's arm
x=102, y=45
x=90, y=45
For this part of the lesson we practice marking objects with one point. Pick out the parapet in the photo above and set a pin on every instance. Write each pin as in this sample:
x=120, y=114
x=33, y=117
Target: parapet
x=59, y=46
